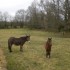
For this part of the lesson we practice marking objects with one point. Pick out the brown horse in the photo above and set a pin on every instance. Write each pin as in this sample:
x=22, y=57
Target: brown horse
x=48, y=47
x=17, y=41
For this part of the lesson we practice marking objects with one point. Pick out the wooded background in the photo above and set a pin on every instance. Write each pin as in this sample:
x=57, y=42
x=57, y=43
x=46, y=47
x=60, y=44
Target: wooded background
x=51, y=15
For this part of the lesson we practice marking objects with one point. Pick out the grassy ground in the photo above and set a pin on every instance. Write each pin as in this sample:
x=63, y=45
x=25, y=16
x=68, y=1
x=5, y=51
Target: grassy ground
x=33, y=56
x=2, y=60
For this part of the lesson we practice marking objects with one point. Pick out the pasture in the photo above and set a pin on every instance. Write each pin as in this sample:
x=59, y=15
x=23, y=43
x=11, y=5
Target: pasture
x=33, y=55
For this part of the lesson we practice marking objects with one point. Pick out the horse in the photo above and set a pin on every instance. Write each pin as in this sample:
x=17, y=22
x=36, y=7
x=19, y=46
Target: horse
x=48, y=46
x=18, y=42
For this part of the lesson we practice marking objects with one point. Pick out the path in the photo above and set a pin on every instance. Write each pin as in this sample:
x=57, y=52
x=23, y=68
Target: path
x=2, y=61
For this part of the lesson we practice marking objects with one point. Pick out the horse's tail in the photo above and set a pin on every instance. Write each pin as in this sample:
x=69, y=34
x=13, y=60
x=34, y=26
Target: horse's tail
x=9, y=46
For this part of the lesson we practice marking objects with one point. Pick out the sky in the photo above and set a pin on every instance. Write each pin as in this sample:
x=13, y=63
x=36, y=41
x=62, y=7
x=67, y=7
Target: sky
x=11, y=6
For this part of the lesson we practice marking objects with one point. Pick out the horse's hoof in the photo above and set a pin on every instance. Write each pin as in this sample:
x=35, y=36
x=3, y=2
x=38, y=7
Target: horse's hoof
x=21, y=50
x=10, y=51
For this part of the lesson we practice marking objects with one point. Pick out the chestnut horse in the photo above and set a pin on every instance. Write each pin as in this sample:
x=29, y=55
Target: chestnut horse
x=48, y=47
x=17, y=41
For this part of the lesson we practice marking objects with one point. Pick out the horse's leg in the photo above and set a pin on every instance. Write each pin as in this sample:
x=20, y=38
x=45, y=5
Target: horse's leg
x=49, y=54
x=21, y=48
x=9, y=47
x=46, y=53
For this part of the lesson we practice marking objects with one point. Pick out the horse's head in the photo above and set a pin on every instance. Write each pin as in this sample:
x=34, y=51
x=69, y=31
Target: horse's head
x=28, y=37
x=49, y=39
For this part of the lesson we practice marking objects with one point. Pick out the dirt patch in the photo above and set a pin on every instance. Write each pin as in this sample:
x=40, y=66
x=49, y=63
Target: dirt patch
x=2, y=61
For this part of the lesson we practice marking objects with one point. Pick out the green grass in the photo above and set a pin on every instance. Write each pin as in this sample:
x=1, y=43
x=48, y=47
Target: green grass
x=33, y=56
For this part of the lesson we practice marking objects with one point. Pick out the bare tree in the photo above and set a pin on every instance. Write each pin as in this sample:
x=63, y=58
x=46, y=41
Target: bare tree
x=5, y=18
x=32, y=15
x=67, y=14
x=52, y=13
x=20, y=17
x=1, y=17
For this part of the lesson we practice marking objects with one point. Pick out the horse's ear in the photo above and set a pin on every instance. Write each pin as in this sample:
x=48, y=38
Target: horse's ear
x=25, y=34
x=29, y=35
x=50, y=38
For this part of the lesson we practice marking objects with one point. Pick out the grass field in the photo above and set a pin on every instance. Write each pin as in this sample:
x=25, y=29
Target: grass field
x=33, y=56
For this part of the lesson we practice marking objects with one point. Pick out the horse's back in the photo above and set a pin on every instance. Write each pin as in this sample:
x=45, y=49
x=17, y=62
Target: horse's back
x=48, y=46
x=11, y=39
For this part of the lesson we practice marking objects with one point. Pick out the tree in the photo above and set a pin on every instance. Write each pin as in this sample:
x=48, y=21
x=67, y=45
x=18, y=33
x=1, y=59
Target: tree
x=1, y=17
x=5, y=18
x=67, y=14
x=20, y=17
x=33, y=15
x=1, y=20
x=52, y=12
